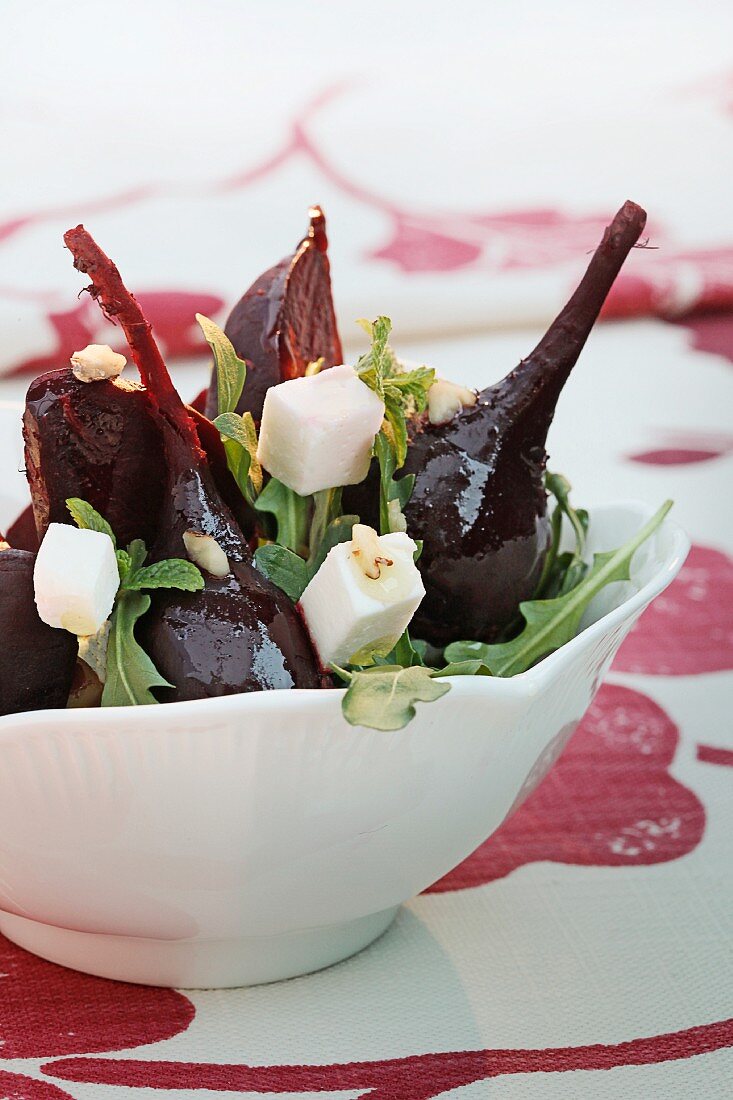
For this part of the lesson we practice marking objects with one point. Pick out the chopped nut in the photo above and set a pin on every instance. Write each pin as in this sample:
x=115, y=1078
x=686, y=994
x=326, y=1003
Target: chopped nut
x=447, y=399
x=204, y=551
x=366, y=548
x=97, y=362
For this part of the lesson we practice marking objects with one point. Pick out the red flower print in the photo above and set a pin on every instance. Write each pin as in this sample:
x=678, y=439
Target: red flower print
x=420, y=1077
x=608, y=802
x=689, y=628
x=48, y=1010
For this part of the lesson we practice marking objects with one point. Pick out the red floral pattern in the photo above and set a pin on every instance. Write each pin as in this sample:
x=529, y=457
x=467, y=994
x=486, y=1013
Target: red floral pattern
x=48, y=1010
x=608, y=802
x=421, y=1077
x=689, y=628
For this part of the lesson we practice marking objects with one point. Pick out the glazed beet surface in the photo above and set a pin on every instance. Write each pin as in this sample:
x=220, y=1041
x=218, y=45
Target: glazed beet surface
x=97, y=441
x=101, y=441
x=284, y=321
x=240, y=633
x=37, y=664
x=479, y=501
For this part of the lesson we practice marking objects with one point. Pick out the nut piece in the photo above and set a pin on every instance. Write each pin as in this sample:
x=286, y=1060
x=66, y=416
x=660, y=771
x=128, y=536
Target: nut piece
x=96, y=363
x=365, y=547
x=204, y=551
x=447, y=399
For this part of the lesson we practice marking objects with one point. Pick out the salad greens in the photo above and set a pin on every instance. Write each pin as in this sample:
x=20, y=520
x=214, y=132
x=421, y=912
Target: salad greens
x=130, y=674
x=382, y=693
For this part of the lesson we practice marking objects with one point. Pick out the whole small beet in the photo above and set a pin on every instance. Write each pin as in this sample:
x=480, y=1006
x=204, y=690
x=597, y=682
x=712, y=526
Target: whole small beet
x=285, y=321
x=479, y=502
x=240, y=633
x=38, y=661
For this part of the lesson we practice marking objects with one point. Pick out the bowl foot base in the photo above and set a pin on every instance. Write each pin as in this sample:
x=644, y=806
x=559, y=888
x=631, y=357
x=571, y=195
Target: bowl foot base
x=197, y=964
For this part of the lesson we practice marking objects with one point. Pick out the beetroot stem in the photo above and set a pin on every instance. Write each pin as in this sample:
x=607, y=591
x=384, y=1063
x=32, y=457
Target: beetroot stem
x=546, y=369
x=119, y=305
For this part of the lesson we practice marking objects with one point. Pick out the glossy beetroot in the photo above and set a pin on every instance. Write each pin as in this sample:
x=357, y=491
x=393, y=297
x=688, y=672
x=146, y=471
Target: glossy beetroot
x=37, y=664
x=240, y=633
x=101, y=441
x=98, y=441
x=284, y=321
x=479, y=501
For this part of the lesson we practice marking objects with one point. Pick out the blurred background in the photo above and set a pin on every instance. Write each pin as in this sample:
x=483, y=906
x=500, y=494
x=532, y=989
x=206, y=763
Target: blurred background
x=467, y=156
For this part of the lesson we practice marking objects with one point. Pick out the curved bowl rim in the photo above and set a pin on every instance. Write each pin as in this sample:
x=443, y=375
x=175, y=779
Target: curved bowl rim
x=309, y=700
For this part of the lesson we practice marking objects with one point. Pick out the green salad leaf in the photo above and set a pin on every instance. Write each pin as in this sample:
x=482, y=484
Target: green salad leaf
x=87, y=519
x=384, y=697
x=130, y=673
x=284, y=568
x=562, y=572
x=551, y=623
x=231, y=371
x=290, y=511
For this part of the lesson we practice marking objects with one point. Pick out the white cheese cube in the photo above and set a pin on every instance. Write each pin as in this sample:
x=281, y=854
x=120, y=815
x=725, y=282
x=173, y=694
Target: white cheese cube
x=317, y=433
x=348, y=613
x=75, y=578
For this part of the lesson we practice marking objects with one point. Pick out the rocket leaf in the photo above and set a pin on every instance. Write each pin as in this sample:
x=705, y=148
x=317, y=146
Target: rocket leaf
x=130, y=672
x=384, y=697
x=549, y=624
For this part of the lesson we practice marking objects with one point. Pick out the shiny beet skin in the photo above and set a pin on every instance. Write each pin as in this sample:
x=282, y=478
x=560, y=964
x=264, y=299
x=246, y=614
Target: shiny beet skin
x=97, y=441
x=101, y=441
x=285, y=321
x=37, y=664
x=240, y=633
x=479, y=501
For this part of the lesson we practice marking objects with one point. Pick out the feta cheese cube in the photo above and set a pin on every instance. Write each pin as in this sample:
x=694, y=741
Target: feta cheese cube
x=349, y=613
x=75, y=578
x=317, y=433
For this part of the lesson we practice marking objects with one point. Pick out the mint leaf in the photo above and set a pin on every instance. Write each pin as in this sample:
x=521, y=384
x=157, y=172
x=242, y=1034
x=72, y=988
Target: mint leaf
x=130, y=672
x=291, y=513
x=171, y=573
x=231, y=371
x=379, y=360
x=551, y=623
x=87, y=519
x=384, y=697
x=284, y=568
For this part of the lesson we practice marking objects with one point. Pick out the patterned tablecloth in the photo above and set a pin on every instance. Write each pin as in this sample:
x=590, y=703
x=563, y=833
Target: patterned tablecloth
x=585, y=950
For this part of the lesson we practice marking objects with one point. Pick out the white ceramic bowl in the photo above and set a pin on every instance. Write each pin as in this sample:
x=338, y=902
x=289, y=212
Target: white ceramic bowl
x=255, y=837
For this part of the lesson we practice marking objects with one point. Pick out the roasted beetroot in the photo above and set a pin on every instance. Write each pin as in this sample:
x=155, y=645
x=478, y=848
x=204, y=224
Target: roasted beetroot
x=284, y=321
x=239, y=633
x=479, y=501
x=100, y=441
x=97, y=441
x=38, y=661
